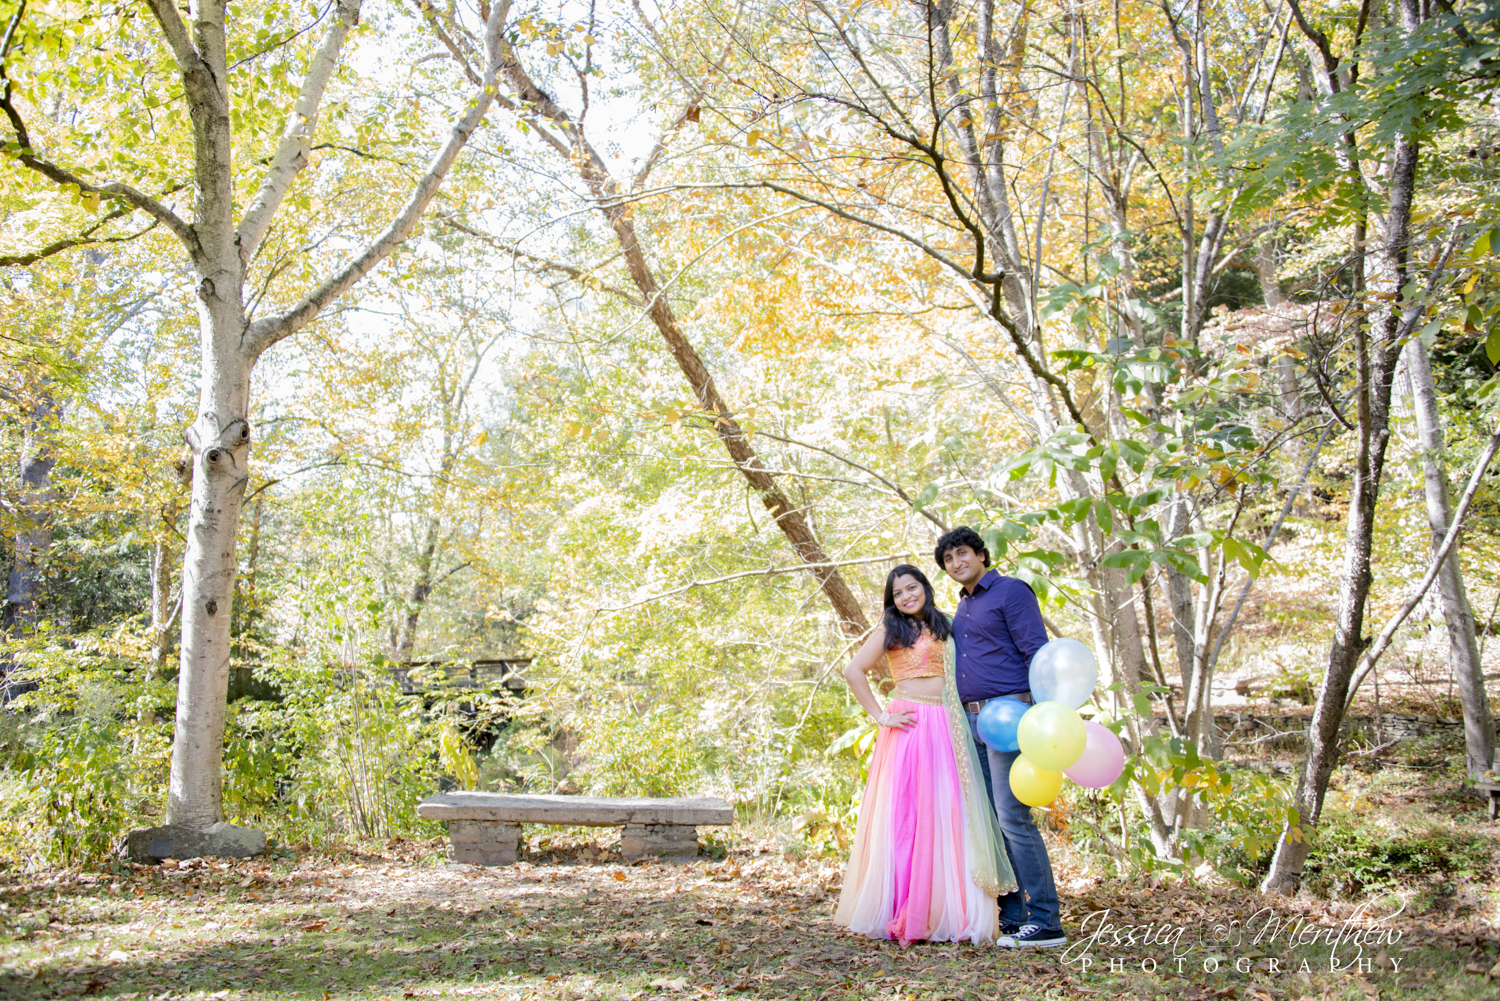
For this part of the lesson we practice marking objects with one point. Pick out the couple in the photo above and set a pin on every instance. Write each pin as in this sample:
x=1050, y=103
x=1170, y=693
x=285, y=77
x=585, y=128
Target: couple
x=928, y=861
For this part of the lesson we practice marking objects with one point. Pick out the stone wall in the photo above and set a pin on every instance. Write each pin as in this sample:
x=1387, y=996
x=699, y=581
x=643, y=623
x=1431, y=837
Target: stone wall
x=1240, y=728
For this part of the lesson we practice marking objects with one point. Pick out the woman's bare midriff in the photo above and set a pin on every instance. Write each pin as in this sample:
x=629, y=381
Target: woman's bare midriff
x=929, y=688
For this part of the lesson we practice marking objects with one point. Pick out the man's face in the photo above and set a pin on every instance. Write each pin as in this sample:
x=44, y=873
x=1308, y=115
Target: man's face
x=963, y=565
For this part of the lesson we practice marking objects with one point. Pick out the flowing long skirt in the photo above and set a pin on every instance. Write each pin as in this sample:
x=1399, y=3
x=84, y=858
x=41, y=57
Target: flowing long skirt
x=908, y=875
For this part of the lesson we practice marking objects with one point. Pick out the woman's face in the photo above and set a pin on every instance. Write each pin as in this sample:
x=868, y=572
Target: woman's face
x=909, y=594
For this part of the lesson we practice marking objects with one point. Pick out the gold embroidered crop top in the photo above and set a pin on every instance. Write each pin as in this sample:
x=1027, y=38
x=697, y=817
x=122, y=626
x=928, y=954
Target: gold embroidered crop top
x=926, y=658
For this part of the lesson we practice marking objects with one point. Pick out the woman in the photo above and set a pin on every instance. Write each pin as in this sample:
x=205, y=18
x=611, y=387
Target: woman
x=927, y=861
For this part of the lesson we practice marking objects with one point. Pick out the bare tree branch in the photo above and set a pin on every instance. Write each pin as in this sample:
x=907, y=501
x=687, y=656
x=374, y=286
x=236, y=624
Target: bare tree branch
x=582, y=275
x=263, y=333
x=176, y=33
x=84, y=239
x=114, y=190
x=689, y=114
x=301, y=124
x=890, y=484
x=767, y=572
x=1383, y=642
x=450, y=39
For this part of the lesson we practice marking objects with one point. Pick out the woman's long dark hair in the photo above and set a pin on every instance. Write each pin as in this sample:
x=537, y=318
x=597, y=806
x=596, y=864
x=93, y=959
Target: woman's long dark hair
x=902, y=630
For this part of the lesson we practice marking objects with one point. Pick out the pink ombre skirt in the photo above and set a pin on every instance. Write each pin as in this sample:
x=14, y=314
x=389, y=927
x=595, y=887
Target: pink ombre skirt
x=908, y=874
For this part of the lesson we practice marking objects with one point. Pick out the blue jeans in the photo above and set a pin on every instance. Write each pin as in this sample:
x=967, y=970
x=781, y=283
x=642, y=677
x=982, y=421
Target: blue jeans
x=1036, y=901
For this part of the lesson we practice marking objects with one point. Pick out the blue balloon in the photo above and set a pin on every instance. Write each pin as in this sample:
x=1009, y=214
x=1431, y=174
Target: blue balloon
x=998, y=722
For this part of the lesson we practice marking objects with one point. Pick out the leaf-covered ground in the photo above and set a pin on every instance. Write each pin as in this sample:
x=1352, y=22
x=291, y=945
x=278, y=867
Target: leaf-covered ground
x=400, y=923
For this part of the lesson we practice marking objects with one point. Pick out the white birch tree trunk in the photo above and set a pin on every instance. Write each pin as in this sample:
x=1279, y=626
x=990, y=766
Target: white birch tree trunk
x=1463, y=648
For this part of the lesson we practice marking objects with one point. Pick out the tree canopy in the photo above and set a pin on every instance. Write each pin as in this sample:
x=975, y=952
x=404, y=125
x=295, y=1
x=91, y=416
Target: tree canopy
x=633, y=343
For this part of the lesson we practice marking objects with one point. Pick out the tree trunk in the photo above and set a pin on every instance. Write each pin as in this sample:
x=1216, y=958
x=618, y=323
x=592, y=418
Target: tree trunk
x=1463, y=648
x=406, y=640
x=790, y=519
x=25, y=592
x=1180, y=595
x=220, y=444
x=219, y=440
x=1180, y=591
x=1375, y=365
x=1265, y=265
x=605, y=189
x=25, y=598
x=161, y=605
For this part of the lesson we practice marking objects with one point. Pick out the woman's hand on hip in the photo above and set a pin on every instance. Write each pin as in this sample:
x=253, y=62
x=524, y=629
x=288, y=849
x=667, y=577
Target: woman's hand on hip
x=896, y=721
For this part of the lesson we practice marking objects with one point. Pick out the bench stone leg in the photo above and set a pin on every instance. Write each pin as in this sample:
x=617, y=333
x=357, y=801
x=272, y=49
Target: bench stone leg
x=676, y=841
x=482, y=842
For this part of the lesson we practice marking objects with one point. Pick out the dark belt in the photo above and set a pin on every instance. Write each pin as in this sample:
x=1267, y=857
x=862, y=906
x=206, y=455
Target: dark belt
x=974, y=707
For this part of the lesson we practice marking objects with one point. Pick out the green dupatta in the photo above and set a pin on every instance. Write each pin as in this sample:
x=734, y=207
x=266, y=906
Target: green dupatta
x=989, y=865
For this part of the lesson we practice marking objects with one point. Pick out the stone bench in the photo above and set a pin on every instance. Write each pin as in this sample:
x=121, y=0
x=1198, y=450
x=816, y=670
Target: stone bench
x=484, y=828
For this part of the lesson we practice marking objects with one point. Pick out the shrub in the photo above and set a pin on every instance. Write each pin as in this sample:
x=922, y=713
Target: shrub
x=1352, y=859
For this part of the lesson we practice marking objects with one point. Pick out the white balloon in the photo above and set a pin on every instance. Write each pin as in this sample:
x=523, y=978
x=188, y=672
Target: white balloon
x=1065, y=671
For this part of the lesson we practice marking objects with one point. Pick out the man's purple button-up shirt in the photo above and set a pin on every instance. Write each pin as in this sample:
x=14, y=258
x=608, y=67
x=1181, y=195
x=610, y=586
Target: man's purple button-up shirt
x=997, y=630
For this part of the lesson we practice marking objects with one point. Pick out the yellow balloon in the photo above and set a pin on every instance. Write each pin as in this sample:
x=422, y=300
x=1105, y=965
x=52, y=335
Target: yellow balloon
x=1032, y=785
x=1052, y=735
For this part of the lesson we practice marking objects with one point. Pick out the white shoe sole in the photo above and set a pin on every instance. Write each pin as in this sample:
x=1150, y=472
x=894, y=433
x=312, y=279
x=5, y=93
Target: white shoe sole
x=1006, y=942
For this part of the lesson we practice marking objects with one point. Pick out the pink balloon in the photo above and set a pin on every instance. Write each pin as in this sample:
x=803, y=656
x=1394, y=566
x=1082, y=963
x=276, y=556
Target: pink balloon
x=1103, y=758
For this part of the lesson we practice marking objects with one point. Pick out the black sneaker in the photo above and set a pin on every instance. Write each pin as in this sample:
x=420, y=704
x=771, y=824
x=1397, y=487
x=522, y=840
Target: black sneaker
x=1007, y=928
x=1033, y=937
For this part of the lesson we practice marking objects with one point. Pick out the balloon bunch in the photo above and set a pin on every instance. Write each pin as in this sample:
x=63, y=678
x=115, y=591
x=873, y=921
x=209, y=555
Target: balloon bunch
x=1053, y=739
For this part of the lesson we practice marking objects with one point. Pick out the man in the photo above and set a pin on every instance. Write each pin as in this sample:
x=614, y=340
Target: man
x=998, y=629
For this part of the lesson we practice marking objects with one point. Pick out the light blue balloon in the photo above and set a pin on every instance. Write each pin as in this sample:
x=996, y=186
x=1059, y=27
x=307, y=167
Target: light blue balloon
x=1064, y=671
x=998, y=722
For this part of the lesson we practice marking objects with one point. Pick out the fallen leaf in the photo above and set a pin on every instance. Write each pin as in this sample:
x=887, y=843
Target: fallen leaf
x=674, y=984
x=315, y=926
x=619, y=875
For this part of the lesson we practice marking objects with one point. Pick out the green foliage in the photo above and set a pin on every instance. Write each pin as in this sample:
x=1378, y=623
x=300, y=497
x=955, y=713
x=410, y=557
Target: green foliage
x=76, y=791
x=342, y=752
x=1245, y=826
x=824, y=817
x=85, y=749
x=651, y=753
x=1354, y=856
x=524, y=758
x=1296, y=681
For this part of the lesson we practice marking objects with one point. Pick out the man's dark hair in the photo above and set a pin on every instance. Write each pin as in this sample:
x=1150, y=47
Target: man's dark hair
x=963, y=535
